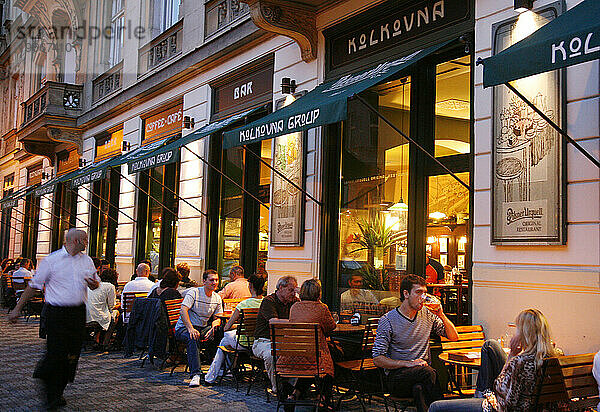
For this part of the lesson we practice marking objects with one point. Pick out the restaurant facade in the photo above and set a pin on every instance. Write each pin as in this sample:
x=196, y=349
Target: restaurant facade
x=353, y=148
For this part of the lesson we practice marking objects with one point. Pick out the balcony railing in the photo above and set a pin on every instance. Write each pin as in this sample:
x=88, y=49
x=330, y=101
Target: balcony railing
x=107, y=83
x=57, y=99
x=163, y=48
x=223, y=13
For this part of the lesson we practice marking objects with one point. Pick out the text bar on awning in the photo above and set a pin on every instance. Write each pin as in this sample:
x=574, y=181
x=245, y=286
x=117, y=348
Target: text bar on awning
x=571, y=38
x=169, y=153
x=325, y=104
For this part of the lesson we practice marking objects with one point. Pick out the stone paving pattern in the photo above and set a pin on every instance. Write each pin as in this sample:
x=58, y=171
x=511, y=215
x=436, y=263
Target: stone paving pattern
x=109, y=382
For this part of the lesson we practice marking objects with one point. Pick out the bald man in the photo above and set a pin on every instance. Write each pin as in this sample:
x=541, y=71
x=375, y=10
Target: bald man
x=66, y=275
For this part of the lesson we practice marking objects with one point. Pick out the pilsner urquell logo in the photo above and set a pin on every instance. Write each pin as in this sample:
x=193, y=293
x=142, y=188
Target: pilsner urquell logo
x=514, y=215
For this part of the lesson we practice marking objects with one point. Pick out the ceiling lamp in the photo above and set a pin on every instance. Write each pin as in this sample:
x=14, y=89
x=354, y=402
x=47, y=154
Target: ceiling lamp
x=522, y=6
x=399, y=207
x=437, y=215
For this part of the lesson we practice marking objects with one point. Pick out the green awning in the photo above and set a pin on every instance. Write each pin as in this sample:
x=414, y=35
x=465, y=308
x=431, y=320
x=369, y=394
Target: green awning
x=571, y=38
x=50, y=186
x=12, y=200
x=325, y=104
x=169, y=153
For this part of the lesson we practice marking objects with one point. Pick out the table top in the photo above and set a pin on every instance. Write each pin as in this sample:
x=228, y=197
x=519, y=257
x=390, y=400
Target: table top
x=348, y=328
x=473, y=364
x=223, y=315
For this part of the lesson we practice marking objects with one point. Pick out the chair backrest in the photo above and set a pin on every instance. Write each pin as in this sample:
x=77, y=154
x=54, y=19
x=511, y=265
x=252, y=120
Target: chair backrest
x=127, y=302
x=566, y=377
x=173, y=308
x=295, y=349
x=369, y=339
x=469, y=337
x=247, y=325
x=230, y=304
x=8, y=280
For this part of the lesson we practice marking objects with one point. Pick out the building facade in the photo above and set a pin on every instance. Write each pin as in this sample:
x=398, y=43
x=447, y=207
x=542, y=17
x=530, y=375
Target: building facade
x=353, y=202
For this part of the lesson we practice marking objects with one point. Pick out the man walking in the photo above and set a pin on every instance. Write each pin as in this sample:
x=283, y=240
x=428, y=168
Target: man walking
x=66, y=274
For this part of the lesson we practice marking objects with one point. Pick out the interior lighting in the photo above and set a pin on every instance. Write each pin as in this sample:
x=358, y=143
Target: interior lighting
x=437, y=215
x=522, y=6
x=431, y=240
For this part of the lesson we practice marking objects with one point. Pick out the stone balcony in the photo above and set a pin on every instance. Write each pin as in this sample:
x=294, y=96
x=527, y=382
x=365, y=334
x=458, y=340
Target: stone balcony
x=161, y=49
x=50, y=118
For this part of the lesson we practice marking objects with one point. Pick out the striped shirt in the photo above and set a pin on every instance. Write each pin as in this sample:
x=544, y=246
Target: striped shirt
x=400, y=338
x=201, y=307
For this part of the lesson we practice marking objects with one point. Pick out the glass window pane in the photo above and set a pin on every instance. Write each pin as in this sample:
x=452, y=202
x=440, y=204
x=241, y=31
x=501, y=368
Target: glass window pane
x=448, y=214
x=231, y=212
x=374, y=212
x=264, y=191
x=453, y=107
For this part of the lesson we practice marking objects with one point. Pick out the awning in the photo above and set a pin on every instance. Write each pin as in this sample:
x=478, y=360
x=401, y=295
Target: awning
x=98, y=170
x=12, y=200
x=169, y=153
x=571, y=38
x=323, y=105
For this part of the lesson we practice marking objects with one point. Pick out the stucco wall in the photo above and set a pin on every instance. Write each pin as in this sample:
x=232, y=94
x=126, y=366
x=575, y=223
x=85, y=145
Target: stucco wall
x=561, y=281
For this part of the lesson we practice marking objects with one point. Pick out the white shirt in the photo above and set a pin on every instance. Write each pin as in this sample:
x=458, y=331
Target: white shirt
x=154, y=286
x=64, y=276
x=352, y=296
x=21, y=273
x=100, y=304
x=140, y=284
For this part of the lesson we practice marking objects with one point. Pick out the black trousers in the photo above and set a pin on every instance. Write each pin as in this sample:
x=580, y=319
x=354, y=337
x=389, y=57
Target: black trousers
x=419, y=382
x=65, y=330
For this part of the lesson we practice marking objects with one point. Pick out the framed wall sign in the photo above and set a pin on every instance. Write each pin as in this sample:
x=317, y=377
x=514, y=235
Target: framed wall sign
x=528, y=155
x=287, y=202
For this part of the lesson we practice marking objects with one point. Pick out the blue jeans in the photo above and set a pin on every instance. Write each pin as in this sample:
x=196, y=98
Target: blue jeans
x=457, y=405
x=193, y=354
x=493, y=359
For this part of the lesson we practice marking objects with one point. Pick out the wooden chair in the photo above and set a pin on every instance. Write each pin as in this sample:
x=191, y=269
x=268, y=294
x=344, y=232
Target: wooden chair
x=295, y=351
x=127, y=299
x=358, y=369
x=176, y=353
x=568, y=380
x=470, y=338
x=242, y=354
x=230, y=304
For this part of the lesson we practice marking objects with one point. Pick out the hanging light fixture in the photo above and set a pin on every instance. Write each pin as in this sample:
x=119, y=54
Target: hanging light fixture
x=401, y=206
x=437, y=215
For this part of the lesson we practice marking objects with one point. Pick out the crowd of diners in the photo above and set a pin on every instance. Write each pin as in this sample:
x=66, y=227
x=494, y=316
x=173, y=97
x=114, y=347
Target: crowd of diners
x=505, y=381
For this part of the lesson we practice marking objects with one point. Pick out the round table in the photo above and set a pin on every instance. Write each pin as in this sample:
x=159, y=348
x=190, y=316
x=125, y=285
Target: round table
x=473, y=364
x=348, y=328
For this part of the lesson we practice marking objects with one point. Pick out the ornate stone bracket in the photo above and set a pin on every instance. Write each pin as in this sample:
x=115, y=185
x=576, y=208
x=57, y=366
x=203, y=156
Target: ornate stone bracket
x=290, y=19
x=59, y=135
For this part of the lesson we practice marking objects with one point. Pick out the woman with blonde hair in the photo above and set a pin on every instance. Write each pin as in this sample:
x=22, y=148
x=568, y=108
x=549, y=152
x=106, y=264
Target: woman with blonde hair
x=512, y=388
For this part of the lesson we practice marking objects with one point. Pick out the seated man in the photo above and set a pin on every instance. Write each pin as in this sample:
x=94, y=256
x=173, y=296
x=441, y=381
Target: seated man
x=238, y=287
x=401, y=346
x=356, y=294
x=24, y=271
x=275, y=306
x=141, y=284
x=197, y=309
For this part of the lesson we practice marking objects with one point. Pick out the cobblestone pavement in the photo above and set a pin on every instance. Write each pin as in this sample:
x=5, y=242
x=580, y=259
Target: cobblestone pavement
x=109, y=382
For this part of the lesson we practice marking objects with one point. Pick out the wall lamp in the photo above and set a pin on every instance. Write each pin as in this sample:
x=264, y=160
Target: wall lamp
x=288, y=86
x=522, y=6
x=188, y=122
x=82, y=162
x=126, y=146
x=46, y=175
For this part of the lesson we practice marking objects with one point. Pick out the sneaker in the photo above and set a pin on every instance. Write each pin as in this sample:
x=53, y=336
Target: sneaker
x=195, y=382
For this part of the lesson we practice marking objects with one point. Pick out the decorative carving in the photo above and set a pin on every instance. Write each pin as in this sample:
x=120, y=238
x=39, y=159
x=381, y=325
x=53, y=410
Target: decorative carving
x=297, y=21
x=62, y=135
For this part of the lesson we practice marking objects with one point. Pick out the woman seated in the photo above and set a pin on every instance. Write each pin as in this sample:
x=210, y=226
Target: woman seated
x=310, y=309
x=167, y=288
x=230, y=338
x=510, y=388
x=101, y=304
